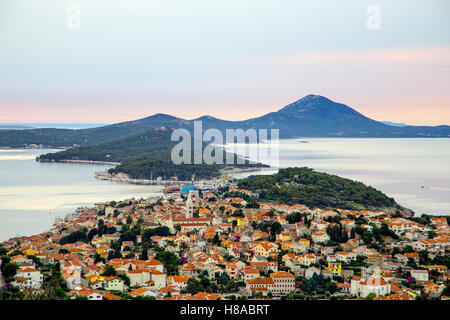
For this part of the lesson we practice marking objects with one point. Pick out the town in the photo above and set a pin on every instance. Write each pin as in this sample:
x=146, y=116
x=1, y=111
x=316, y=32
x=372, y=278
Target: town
x=225, y=243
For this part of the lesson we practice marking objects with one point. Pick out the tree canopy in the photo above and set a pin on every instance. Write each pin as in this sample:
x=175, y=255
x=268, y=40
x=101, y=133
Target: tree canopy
x=316, y=189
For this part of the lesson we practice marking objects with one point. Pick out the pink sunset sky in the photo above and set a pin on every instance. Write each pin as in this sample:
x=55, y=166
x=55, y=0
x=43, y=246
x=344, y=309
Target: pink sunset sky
x=230, y=60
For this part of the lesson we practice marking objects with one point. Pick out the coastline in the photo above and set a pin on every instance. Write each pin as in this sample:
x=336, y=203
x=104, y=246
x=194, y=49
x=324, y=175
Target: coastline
x=80, y=161
x=122, y=177
x=32, y=148
x=245, y=170
x=229, y=171
x=419, y=201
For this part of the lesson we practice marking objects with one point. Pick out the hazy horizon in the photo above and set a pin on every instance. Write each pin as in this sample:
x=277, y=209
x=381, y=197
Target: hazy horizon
x=234, y=60
x=88, y=124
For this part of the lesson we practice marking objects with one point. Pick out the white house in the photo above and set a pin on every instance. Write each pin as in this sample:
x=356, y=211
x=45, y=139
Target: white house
x=320, y=237
x=362, y=288
x=159, y=279
x=138, y=277
x=283, y=282
x=34, y=278
x=91, y=294
x=308, y=259
x=311, y=271
x=114, y=284
x=250, y=273
x=179, y=282
x=346, y=256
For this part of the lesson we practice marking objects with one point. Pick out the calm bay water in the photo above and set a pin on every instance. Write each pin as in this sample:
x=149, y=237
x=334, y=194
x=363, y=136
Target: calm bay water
x=415, y=172
x=32, y=193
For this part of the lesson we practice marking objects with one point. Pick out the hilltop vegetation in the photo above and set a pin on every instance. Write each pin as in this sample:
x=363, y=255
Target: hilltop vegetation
x=156, y=141
x=316, y=189
x=142, y=156
x=147, y=167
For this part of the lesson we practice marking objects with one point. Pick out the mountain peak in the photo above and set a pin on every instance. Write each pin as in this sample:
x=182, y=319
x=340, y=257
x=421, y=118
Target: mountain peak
x=313, y=97
x=206, y=117
x=159, y=117
x=162, y=116
x=309, y=102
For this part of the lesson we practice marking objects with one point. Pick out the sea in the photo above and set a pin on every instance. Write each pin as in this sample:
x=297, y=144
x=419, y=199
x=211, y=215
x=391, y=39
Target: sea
x=415, y=172
x=33, y=194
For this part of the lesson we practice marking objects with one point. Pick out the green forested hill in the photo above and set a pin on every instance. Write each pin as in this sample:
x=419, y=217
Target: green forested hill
x=149, y=143
x=316, y=189
x=144, y=167
x=50, y=137
x=142, y=156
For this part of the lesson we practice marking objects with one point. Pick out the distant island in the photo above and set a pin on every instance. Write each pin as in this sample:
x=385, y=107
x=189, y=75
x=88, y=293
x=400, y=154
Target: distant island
x=394, y=124
x=311, y=116
x=144, y=156
x=141, y=149
x=14, y=127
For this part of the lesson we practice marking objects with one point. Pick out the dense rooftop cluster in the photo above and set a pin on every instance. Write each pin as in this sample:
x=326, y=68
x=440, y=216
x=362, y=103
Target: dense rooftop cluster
x=227, y=244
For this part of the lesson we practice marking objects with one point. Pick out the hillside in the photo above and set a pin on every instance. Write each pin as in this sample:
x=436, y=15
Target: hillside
x=6, y=126
x=317, y=116
x=311, y=116
x=142, y=156
x=152, y=141
x=317, y=189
